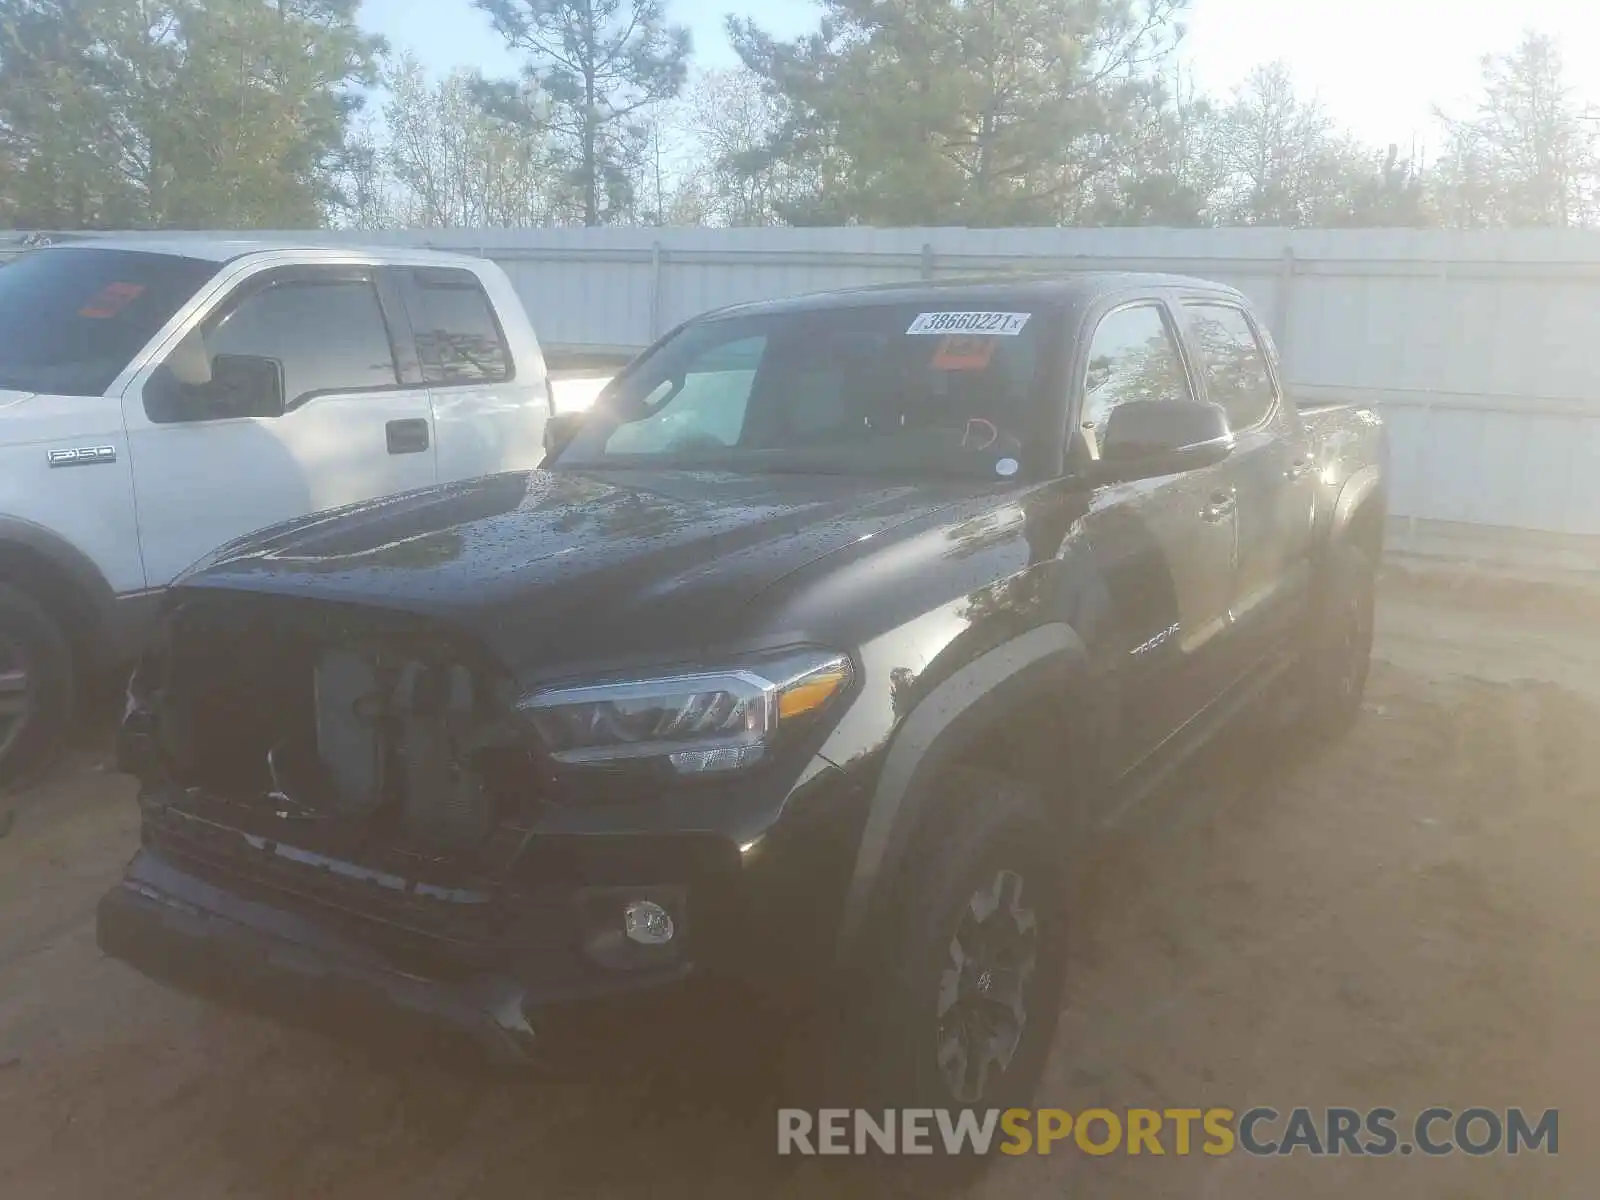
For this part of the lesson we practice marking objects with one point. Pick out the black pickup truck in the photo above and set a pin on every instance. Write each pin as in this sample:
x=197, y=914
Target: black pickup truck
x=807, y=667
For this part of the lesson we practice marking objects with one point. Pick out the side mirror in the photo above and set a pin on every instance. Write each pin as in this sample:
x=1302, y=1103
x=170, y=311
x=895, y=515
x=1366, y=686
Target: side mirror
x=1162, y=437
x=559, y=430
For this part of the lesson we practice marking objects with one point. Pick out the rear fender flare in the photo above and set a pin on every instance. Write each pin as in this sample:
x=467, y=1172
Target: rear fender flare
x=1361, y=487
x=1050, y=659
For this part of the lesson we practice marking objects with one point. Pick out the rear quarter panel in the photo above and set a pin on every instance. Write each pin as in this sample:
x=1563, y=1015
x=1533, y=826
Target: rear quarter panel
x=1352, y=451
x=488, y=428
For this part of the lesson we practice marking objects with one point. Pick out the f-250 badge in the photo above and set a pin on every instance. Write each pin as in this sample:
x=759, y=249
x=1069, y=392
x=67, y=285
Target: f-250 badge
x=83, y=456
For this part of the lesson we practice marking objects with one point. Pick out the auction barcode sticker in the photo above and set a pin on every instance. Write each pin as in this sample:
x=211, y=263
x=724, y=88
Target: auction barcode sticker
x=990, y=324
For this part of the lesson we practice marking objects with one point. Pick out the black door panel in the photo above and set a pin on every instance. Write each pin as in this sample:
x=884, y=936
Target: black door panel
x=1165, y=546
x=1275, y=525
x=1272, y=475
x=1169, y=573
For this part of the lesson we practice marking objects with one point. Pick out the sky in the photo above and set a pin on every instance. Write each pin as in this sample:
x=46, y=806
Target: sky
x=1379, y=66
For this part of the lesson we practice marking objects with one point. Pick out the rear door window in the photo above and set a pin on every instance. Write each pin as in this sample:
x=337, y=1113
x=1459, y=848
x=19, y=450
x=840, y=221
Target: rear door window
x=73, y=317
x=1237, y=376
x=459, y=341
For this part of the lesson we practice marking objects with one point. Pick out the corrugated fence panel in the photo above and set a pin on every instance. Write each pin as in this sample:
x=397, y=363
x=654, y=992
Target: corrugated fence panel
x=1548, y=449
x=1451, y=464
x=1583, y=496
x=1408, y=436
x=1481, y=349
x=572, y=301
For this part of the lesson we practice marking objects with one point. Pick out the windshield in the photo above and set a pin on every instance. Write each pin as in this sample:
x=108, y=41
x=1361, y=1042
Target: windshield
x=922, y=388
x=72, y=318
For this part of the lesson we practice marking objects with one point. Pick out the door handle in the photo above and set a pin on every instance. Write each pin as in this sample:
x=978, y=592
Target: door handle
x=1219, y=507
x=407, y=437
x=1301, y=467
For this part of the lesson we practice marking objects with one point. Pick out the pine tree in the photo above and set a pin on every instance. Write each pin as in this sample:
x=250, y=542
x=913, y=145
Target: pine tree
x=173, y=114
x=598, y=66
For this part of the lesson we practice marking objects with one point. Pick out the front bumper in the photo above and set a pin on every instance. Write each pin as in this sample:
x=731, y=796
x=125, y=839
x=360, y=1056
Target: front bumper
x=239, y=917
x=183, y=931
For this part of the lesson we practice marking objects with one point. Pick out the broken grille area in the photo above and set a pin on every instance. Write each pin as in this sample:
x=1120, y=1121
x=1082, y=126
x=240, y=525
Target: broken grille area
x=364, y=729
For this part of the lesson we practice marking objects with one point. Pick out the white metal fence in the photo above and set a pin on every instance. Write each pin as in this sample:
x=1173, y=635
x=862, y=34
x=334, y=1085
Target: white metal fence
x=1482, y=350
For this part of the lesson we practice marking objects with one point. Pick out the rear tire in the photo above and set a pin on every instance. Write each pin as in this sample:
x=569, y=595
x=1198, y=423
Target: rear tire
x=958, y=1006
x=37, y=688
x=1339, y=654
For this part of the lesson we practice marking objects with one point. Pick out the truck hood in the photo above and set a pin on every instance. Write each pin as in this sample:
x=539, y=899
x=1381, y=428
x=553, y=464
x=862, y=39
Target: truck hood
x=545, y=568
x=9, y=397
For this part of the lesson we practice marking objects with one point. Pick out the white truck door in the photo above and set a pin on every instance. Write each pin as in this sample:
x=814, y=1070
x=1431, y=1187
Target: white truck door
x=288, y=397
x=490, y=401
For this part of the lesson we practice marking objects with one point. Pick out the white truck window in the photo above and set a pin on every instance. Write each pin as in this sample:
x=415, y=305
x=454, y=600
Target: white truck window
x=458, y=339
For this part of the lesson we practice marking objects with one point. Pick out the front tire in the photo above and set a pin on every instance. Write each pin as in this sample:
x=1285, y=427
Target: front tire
x=972, y=956
x=37, y=688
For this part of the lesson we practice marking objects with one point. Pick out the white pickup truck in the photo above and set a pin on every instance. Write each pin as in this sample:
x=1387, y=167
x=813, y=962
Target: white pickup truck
x=161, y=398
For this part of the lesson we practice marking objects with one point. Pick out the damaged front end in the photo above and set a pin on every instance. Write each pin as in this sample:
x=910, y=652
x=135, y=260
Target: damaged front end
x=356, y=786
x=358, y=731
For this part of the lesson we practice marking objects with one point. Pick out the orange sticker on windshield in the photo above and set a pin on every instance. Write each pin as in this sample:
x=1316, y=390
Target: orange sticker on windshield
x=110, y=300
x=961, y=353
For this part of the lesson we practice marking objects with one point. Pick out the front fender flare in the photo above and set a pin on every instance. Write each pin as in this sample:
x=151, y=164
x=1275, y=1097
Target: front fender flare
x=1050, y=658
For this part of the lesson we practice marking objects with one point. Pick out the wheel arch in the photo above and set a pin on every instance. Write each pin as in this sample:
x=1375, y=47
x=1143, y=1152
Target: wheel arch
x=970, y=719
x=1361, y=513
x=63, y=580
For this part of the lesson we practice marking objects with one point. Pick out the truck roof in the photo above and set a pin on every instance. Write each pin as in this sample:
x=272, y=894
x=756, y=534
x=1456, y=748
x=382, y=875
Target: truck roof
x=1072, y=288
x=226, y=249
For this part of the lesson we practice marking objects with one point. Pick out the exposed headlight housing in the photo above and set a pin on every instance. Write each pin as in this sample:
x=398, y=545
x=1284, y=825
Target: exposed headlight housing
x=701, y=723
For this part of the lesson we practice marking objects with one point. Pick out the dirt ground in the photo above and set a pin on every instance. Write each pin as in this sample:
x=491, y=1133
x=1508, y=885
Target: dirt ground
x=1408, y=918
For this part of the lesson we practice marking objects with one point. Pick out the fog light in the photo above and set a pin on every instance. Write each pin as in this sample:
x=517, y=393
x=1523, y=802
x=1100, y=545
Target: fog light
x=646, y=922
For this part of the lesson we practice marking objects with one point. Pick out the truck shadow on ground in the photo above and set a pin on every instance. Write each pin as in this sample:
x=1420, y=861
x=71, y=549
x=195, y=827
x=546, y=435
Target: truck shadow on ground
x=87, y=750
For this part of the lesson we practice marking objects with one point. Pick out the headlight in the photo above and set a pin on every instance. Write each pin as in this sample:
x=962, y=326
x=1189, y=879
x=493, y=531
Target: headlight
x=702, y=722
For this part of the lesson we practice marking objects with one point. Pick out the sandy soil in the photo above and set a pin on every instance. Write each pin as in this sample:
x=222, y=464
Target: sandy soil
x=1408, y=918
